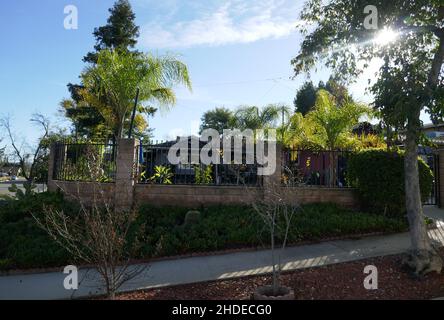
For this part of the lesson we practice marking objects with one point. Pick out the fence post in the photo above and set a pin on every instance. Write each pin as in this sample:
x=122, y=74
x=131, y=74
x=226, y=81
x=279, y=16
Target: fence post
x=126, y=162
x=440, y=179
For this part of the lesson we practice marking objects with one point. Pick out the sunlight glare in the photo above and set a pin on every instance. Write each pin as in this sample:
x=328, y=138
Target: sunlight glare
x=385, y=36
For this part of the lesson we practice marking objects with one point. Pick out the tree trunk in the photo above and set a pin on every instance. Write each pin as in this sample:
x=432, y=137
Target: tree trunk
x=119, y=132
x=332, y=168
x=423, y=257
x=273, y=258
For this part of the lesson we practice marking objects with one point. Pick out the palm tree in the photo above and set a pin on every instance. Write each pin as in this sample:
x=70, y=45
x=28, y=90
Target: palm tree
x=330, y=125
x=251, y=117
x=112, y=83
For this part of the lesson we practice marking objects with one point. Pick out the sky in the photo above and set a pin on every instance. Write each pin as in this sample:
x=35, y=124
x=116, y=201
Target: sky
x=238, y=52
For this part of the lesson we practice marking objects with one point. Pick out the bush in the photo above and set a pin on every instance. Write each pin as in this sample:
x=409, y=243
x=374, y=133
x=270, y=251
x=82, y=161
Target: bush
x=225, y=227
x=379, y=177
x=22, y=243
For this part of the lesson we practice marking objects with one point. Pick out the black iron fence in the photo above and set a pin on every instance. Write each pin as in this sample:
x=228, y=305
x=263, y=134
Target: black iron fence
x=89, y=161
x=315, y=168
x=154, y=167
x=432, y=161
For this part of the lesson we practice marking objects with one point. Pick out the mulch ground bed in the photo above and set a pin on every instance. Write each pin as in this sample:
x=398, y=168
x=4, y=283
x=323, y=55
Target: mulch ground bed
x=338, y=281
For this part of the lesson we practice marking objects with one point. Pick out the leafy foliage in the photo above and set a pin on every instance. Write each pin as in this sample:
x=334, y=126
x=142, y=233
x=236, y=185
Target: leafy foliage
x=111, y=84
x=223, y=227
x=24, y=245
x=333, y=123
x=379, y=177
x=329, y=126
x=218, y=119
x=252, y=117
x=19, y=194
x=86, y=119
x=162, y=175
x=203, y=175
x=369, y=141
x=120, y=32
x=306, y=96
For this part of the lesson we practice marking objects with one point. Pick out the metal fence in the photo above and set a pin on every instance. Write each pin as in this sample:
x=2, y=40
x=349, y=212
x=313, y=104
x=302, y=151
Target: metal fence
x=432, y=161
x=155, y=168
x=315, y=168
x=89, y=161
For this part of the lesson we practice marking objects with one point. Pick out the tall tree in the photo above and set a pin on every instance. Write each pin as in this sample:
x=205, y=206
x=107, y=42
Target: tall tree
x=111, y=84
x=218, y=119
x=413, y=66
x=120, y=32
x=86, y=119
x=338, y=90
x=305, y=98
x=331, y=125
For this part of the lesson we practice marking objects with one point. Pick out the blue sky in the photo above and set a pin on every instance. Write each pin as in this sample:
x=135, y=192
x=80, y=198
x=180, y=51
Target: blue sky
x=238, y=52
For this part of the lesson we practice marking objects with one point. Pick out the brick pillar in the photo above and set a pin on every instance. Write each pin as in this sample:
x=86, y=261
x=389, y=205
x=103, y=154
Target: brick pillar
x=441, y=177
x=51, y=162
x=126, y=162
x=274, y=180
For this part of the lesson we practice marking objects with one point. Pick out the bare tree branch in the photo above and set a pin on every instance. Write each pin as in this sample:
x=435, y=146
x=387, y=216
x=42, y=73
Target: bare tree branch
x=98, y=235
x=23, y=156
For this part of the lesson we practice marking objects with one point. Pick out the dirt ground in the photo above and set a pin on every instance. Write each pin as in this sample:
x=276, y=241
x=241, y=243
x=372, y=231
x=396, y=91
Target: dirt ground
x=338, y=281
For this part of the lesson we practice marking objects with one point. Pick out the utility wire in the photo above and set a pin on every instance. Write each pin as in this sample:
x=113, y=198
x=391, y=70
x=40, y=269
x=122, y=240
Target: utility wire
x=239, y=82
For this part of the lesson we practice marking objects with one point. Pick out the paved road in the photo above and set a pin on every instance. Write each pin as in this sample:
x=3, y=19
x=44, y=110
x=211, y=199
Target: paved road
x=4, y=186
x=197, y=269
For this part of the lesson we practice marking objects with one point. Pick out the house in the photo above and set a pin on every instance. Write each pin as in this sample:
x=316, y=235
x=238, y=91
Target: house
x=153, y=155
x=435, y=132
x=312, y=167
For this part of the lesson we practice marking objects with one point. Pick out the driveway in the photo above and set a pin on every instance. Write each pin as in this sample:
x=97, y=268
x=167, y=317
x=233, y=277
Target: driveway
x=435, y=213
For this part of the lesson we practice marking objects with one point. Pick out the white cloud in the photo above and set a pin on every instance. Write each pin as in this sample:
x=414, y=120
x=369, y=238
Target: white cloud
x=233, y=22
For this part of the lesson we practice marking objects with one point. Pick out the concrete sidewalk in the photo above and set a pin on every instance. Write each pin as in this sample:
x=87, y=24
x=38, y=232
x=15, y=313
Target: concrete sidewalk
x=197, y=269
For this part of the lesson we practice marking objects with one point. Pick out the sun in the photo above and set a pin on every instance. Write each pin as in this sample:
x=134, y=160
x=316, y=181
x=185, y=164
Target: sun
x=385, y=36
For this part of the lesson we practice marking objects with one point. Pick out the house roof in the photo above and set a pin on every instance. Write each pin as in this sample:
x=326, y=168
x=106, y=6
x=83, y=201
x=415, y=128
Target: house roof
x=435, y=132
x=431, y=126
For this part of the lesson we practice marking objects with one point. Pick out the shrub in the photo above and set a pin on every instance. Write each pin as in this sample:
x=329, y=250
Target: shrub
x=379, y=177
x=22, y=243
x=225, y=227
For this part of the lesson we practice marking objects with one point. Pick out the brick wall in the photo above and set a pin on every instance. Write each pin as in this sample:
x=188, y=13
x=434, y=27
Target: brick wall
x=85, y=191
x=191, y=195
x=196, y=196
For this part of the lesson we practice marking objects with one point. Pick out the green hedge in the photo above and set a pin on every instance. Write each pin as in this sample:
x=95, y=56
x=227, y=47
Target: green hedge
x=24, y=245
x=379, y=177
x=223, y=227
